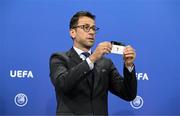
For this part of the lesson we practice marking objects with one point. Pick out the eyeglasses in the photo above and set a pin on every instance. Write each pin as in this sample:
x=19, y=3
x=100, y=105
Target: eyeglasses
x=87, y=28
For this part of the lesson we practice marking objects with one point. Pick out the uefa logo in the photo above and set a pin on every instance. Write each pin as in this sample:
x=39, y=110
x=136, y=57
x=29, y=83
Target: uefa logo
x=137, y=102
x=20, y=99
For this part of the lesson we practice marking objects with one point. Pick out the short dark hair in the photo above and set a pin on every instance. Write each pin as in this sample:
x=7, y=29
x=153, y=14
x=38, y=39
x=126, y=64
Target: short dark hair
x=75, y=18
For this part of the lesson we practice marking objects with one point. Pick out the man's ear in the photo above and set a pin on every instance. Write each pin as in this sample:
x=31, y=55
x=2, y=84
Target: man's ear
x=72, y=33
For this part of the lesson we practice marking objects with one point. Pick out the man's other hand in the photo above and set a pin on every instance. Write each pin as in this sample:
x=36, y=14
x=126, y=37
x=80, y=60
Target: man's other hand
x=129, y=56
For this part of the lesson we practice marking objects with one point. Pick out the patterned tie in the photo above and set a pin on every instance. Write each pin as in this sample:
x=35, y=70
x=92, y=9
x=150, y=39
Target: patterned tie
x=91, y=75
x=86, y=54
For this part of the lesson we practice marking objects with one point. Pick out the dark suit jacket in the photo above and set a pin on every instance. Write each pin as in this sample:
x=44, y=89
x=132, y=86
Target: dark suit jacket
x=70, y=76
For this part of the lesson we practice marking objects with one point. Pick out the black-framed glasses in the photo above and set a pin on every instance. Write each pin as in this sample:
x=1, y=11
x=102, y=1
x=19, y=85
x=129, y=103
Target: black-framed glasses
x=87, y=27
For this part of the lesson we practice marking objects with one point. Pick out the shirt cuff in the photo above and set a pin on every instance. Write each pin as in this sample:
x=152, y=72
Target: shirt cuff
x=91, y=65
x=130, y=68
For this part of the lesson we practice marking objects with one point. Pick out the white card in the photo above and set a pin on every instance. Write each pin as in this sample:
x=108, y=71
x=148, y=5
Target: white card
x=117, y=49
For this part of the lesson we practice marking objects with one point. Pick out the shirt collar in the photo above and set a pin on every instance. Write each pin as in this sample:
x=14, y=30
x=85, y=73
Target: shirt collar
x=79, y=51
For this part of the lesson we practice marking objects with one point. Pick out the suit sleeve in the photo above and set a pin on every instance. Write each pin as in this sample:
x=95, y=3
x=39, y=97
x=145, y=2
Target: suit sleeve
x=124, y=87
x=64, y=77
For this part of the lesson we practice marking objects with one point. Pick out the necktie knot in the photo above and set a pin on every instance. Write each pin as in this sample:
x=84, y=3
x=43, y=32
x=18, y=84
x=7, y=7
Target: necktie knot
x=86, y=54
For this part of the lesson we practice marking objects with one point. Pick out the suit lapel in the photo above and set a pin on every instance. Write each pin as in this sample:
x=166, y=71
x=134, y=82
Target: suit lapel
x=76, y=59
x=74, y=56
x=97, y=76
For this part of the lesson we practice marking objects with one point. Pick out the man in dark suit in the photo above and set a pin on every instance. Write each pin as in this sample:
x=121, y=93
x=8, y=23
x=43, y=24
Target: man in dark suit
x=82, y=78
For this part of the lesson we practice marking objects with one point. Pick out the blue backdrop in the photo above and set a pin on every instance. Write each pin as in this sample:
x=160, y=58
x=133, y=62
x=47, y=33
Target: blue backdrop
x=31, y=30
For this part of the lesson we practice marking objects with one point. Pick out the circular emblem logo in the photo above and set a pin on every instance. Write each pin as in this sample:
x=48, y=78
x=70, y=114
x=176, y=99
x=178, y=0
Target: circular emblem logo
x=20, y=99
x=137, y=102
